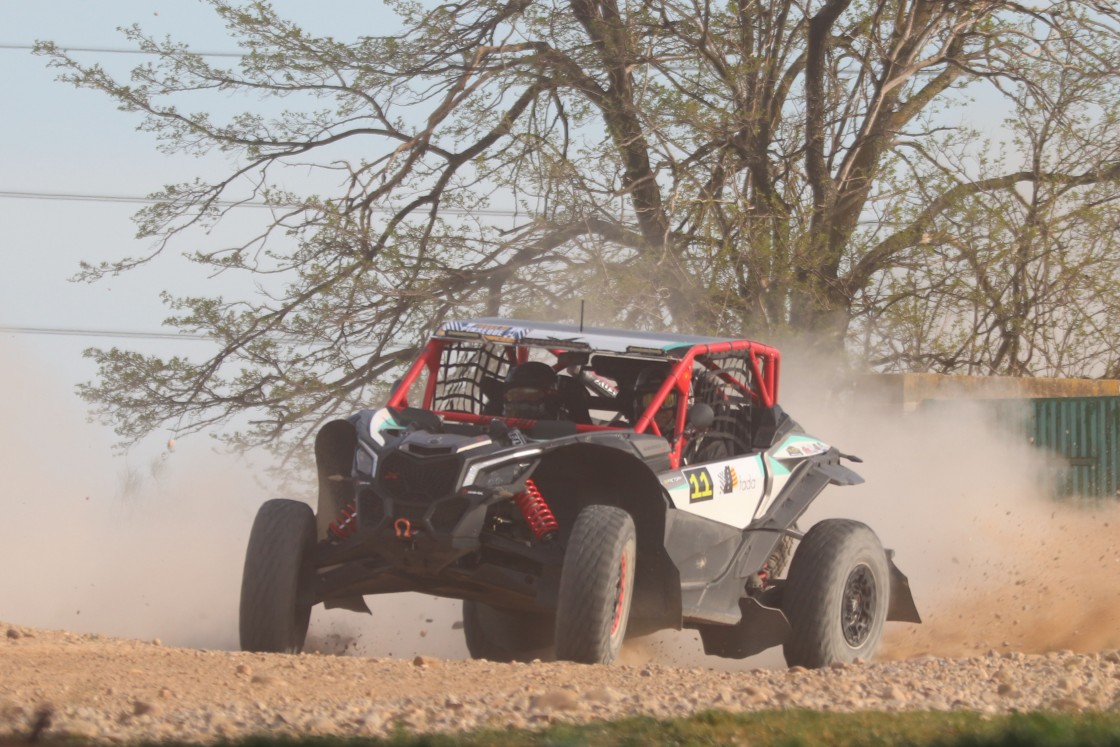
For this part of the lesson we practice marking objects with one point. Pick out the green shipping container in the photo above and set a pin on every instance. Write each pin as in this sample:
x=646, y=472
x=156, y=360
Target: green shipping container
x=1084, y=432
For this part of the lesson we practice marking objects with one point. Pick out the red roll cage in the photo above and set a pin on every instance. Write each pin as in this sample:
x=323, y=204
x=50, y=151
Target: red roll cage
x=764, y=362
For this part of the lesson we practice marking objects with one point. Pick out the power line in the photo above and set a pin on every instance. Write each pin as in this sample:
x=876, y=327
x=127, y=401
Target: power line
x=133, y=334
x=23, y=195
x=18, y=194
x=152, y=335
x=132, y=51
x=75, y=332
x=117, y=50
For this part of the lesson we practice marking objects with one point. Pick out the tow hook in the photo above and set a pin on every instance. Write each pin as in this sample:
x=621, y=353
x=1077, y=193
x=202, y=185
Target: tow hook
x=403, y=528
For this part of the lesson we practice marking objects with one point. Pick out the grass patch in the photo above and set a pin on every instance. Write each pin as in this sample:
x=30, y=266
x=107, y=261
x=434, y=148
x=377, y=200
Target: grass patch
x=791, y=728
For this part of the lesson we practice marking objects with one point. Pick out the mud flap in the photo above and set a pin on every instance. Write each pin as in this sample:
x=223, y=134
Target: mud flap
x=334, y=454
x=761, y=628
x=354, y=604
x=838, y=474
x=902, y=607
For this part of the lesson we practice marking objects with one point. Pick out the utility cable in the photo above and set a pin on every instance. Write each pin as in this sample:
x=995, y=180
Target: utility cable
x=75, y=332
x=19, y=194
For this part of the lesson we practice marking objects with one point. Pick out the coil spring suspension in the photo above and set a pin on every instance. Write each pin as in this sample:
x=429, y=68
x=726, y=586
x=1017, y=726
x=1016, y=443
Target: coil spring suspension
x=346, y=523
x=536, y=512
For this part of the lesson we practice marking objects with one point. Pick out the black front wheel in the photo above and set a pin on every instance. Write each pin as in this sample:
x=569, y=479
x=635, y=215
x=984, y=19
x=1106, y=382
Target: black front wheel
x=505, y=635
x=836, y=595
x=596, y=586
x=276, y=586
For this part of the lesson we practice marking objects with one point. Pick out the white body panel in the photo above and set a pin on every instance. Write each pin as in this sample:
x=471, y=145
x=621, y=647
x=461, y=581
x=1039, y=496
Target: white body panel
x=738, y=490
x=727, y=491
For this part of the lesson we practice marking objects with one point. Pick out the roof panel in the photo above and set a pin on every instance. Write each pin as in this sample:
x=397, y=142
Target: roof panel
x=571, y=336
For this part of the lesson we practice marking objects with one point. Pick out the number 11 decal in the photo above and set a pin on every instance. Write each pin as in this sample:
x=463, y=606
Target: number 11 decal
x=699, y=485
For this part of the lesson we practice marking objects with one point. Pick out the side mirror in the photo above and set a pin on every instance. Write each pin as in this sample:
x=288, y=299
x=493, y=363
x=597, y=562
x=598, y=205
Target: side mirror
x=700, y=416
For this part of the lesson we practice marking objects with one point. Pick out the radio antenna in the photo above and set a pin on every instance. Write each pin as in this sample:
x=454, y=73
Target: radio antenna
x=581, y=303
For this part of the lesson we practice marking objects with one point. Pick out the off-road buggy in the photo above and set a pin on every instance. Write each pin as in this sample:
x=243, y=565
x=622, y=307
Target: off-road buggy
x=625, y=513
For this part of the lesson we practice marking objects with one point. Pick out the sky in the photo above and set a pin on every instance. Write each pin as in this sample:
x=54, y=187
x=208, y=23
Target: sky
x=57, y=139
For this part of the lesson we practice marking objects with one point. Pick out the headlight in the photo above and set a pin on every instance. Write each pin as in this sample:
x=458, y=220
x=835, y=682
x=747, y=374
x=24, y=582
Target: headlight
x=501, y=471
x=504, y=475
x=365, y=462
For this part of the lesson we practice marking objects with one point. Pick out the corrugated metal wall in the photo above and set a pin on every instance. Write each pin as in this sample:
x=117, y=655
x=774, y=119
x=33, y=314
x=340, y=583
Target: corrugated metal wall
x=1084, y=432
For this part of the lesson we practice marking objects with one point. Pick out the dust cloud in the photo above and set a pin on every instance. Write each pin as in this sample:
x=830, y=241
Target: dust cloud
x=994, y=560
x=150, y=545
x=143, y=546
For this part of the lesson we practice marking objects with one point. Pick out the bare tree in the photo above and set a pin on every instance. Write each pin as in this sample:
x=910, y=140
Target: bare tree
x=712, y=167
x=1018, y=278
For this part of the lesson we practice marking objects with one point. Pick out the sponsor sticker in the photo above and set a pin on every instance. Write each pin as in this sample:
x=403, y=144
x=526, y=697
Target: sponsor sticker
x=729, y=480
x=492, y=332
x=672, y=481
x=813, y=447
x=740, y=480
x=803, y=449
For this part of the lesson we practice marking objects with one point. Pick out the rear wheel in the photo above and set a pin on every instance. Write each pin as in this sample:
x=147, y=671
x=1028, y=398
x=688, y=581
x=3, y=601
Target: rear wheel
x=596, y=586
x=276, y=586
x=505, y=635
x=836, y=595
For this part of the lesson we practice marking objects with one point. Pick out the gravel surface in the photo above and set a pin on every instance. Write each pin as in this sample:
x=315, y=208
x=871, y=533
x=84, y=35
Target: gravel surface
x=57, y=684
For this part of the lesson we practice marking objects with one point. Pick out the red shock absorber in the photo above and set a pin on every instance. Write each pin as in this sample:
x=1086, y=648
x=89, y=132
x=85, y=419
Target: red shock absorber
x=536, y=512
x=346, y=523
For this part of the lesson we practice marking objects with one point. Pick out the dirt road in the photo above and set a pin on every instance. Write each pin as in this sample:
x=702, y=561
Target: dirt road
x=95, y=687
